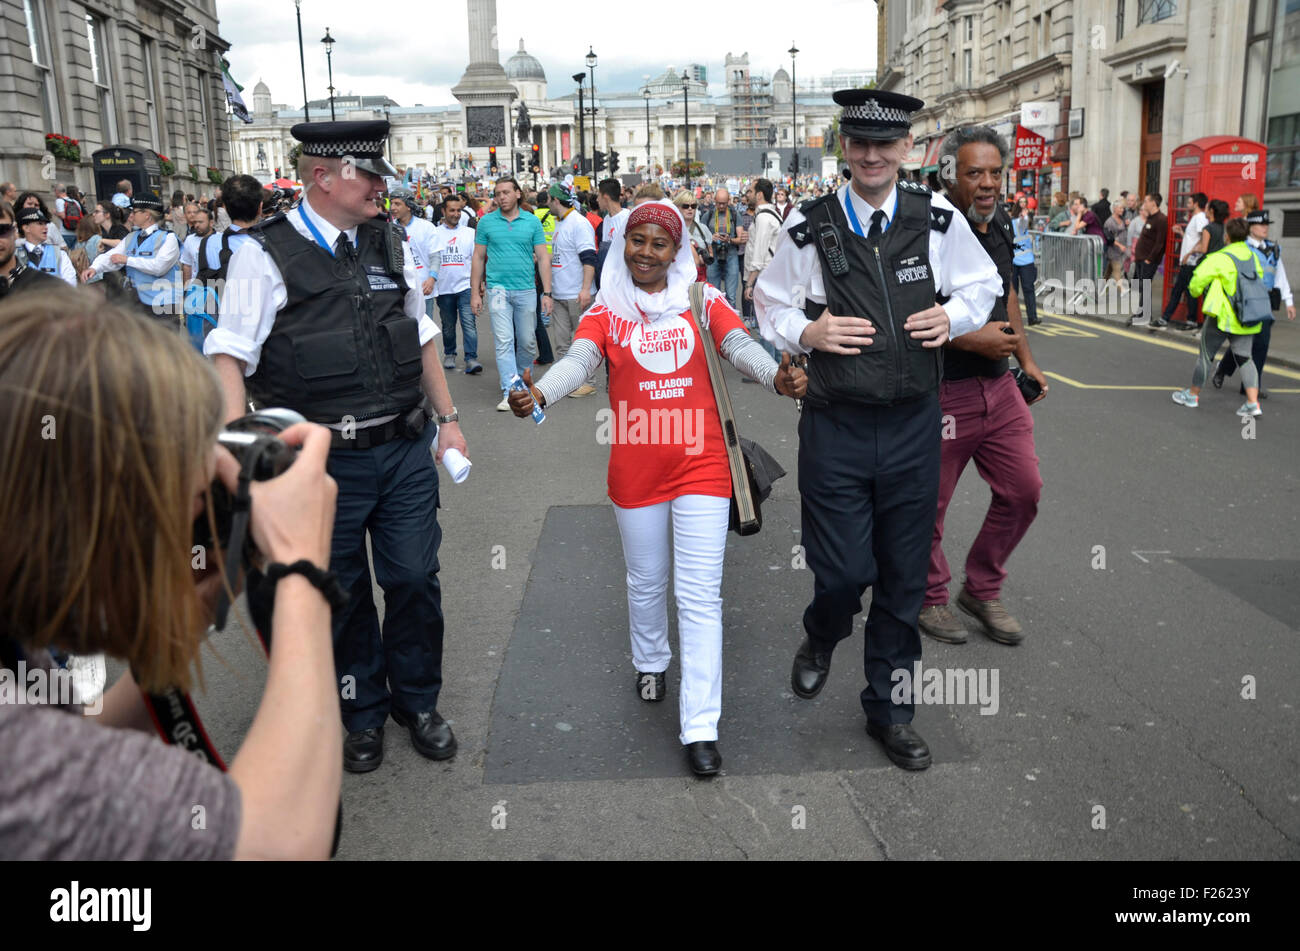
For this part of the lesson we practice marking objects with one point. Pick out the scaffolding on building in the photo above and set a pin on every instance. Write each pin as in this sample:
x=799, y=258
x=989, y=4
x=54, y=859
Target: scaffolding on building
x=751, y=111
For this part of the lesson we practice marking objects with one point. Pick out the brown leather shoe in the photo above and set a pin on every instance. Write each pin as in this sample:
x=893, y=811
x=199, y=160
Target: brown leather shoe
x=938, y=621
x=993, y=618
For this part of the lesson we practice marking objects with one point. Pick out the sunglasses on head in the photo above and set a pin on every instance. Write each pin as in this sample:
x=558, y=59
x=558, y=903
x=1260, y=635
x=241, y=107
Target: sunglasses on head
x=7, y=229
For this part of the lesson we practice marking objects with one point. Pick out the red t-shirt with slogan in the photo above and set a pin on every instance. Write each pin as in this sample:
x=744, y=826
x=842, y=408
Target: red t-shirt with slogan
x=662, y=424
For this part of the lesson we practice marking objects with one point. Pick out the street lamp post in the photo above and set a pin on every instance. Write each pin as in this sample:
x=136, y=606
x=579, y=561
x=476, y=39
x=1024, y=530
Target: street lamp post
x=794, y=113
x=302, y=61
x=582, y=144
x=646, y=93
x=686, y=109
x=329, y=59
x=591, y=68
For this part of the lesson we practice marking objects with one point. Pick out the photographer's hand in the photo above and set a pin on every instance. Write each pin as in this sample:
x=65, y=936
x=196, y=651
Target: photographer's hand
x=293, y=514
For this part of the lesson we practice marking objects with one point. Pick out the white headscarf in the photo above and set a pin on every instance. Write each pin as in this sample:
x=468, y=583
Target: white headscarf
x=621, y=295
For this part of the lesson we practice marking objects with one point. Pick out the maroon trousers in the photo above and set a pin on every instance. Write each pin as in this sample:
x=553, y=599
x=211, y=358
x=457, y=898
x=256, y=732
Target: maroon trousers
x=986, y=420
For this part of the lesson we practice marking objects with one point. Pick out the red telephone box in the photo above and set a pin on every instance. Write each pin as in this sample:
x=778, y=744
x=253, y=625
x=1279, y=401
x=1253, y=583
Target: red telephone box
x=1222, y=166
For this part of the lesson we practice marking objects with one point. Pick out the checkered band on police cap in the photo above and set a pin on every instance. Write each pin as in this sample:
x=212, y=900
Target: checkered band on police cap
x=872, y=111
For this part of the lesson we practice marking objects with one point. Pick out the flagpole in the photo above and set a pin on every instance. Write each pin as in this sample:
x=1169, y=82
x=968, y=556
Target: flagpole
x=302, y=62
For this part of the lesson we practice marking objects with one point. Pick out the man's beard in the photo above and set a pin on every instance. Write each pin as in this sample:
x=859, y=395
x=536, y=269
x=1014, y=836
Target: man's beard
x=979, y=219
x=6, y=258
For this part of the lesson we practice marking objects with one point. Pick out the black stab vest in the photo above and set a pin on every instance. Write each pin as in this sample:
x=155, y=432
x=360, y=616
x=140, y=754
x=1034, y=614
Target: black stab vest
x=343, y=344
x=887, y=282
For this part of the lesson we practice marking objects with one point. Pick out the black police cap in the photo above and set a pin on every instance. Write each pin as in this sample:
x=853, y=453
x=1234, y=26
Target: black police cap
x=361, y=143
x=147, y=202
x=1259, y=217
x=876, y=114
x=32, y=216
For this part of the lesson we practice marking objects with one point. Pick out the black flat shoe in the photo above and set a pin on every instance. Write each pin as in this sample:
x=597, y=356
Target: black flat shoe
x=650, y=687
x=808, y=675
x=1217, y=380
x=430, y=733
x=903, y=745
x=363, y=750
x=704, y=757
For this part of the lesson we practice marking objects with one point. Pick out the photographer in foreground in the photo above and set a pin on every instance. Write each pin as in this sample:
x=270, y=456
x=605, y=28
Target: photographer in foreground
x=109, y=427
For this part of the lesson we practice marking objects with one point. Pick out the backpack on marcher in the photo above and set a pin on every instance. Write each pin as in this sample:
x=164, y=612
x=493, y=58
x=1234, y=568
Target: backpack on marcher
x=203, y=296
x=1250, y=300
x=72, y=214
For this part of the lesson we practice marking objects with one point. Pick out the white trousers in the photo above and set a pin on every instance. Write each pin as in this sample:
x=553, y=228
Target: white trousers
x=699, y=528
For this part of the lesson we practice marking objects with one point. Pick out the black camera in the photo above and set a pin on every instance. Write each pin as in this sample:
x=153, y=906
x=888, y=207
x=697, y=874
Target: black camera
x=254, y=442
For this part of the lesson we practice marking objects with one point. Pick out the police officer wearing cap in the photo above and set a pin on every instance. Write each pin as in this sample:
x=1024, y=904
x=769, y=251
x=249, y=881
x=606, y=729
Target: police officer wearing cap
x=16, y=276
x=151, y=257
x=51, y=259
x=327, y=318
x=1269, y=255
x=855, y=283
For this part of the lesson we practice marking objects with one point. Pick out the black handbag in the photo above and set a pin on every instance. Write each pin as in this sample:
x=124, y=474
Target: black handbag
x=753, y=470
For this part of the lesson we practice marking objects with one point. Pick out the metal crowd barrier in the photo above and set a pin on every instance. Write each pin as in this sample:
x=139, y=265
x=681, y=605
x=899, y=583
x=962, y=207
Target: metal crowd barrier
x=1072, y=263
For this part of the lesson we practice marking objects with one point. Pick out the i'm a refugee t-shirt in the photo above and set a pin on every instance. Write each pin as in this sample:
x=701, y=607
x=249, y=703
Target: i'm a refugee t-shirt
x=664, y=431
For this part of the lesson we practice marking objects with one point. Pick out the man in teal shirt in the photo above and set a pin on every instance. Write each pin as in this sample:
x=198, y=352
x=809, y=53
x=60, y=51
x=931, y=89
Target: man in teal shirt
x=507, y=242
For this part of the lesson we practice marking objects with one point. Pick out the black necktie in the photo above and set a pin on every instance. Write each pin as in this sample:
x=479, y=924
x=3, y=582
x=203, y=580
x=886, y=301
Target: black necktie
x=876, y=230
x=343, y=249
x=35, y=256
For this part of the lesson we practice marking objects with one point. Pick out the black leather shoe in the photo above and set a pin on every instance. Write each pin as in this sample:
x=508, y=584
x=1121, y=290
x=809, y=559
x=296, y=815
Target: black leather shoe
x=363, y=750
x=811, y=666
x=704, y=757
x=650, y=687
x=903, y=745
x=1217, y=380
x=430, y=733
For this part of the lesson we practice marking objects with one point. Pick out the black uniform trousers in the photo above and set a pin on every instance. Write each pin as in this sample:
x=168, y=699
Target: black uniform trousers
x=390, y=491
x=869, y=483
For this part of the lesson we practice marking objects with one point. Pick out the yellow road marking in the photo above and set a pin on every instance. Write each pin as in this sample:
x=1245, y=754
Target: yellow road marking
x=1155, y=340
x=1119, y=386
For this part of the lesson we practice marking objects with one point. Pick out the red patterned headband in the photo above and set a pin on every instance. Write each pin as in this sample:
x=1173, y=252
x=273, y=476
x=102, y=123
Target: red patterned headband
x=657, y=214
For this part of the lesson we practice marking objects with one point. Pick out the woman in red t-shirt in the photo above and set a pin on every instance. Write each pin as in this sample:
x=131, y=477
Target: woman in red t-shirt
x=667, y=463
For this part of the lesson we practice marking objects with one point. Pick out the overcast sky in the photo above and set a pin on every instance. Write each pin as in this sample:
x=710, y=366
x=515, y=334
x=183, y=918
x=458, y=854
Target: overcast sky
x=415, y=52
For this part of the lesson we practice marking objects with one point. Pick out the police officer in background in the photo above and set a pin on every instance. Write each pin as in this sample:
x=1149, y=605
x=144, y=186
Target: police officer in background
x=51, y=259
x=328, y=319
x=854, y=283
x=151, y=257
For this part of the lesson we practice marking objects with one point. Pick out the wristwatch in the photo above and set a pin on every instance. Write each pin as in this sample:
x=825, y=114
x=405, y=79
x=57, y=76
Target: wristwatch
x=451, y=417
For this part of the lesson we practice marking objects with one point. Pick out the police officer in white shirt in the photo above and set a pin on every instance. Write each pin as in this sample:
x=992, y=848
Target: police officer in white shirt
x=51, y=259
x=870, y=280
x=329, y=321
x=151, y=257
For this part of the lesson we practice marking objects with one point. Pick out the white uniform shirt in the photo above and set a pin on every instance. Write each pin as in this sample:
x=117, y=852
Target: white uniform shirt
x=66, y=270
x=573, y=235
x=165, y=256
x=1192, y=234
x=256, y=293
x=962, y=271
x=454, y=248
x=419, y=239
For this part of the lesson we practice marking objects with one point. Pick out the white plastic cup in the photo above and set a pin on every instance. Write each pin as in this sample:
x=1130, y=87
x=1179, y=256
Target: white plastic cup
x=456, y=464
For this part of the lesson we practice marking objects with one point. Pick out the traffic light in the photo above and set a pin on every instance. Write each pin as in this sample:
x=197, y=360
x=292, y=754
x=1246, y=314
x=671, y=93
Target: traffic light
x=492, y=158
x=613, y=162
x=599, y=157
x=793, y=167
x=519, y=163
x=537, y=158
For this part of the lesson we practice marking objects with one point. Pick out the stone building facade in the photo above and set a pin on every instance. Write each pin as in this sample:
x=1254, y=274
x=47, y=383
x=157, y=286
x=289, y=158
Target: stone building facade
x=1141, y=78
x=144, y=74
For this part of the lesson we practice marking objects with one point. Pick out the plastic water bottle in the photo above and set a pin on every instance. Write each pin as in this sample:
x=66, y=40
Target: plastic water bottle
x=539, y=415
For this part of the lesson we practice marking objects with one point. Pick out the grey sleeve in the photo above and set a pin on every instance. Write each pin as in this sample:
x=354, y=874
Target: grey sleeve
x=72, y=789
x=748, y=356
x=571, y=371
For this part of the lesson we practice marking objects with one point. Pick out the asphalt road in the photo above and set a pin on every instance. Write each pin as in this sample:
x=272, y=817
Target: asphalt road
x=1159, y=577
